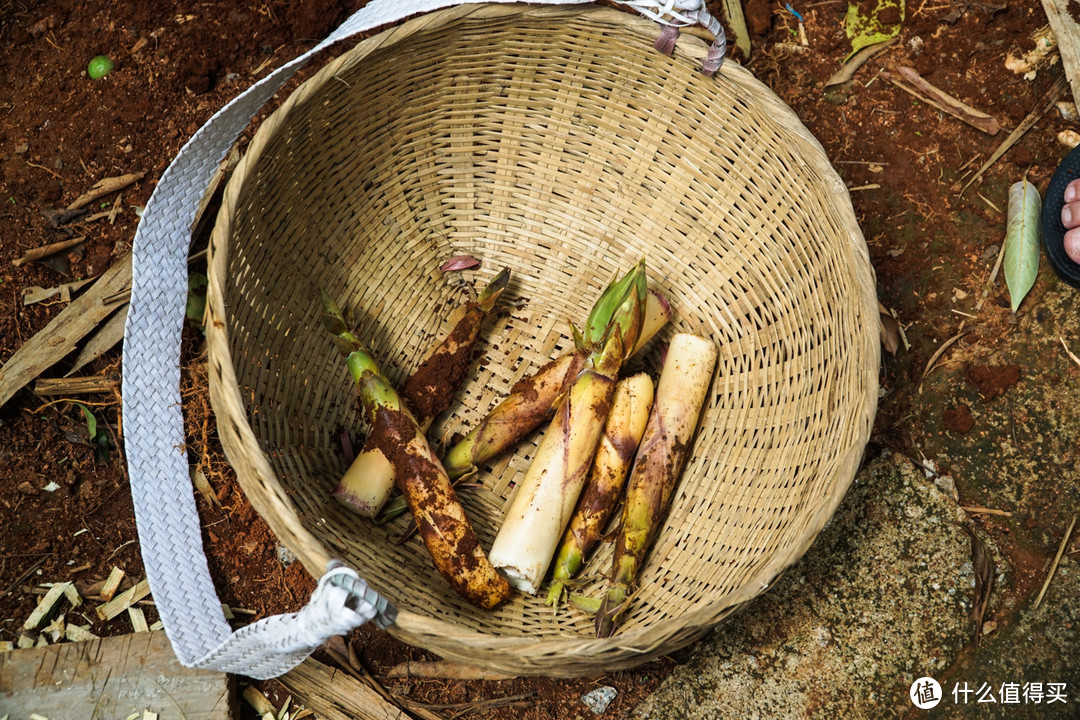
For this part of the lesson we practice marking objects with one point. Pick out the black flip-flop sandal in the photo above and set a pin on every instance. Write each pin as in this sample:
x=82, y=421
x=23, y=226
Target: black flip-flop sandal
x=1053, y=231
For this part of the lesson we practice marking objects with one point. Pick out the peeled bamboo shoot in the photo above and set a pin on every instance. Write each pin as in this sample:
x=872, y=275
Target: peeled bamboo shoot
x=544, y=502
x=680, y=397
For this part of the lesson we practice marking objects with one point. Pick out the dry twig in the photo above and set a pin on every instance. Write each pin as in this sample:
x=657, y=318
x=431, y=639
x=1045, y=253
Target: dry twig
x=444, y=670
x=915, y=85
x=1057, y=559
x=985, y=511
x=857, y=61
x=46, y=250
x=1069, y=352
x=1048, y=100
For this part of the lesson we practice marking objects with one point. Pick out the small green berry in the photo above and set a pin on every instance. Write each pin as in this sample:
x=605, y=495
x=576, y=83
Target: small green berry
x=99, y=67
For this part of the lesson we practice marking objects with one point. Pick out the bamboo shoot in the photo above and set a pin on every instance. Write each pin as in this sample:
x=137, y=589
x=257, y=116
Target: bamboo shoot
x=543, y=504
x=680, y=397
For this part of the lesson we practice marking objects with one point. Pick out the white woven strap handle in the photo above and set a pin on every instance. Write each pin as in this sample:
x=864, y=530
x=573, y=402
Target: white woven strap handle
x=165, y=511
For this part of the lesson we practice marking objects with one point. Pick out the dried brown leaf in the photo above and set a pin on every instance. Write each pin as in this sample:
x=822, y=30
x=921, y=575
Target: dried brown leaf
x=459, y=263
x=985, y=568
x=890, y=333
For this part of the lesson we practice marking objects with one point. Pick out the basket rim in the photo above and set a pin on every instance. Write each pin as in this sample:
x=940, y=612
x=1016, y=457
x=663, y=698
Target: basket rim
x=520, y=654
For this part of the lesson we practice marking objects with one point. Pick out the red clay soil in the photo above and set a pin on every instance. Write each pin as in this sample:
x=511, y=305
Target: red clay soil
x=178, y=61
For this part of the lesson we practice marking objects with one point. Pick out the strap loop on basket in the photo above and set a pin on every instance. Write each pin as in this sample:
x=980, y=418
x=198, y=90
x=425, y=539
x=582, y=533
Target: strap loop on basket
x=360, y=596
x=271, y=646
x=674, y=14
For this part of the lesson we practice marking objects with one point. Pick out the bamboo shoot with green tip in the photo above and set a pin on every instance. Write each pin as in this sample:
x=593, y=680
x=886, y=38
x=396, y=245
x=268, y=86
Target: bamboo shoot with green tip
x=545, y=500
x=444, y=528
x=533, y=399
x=665, y=447
x=428, y=392
x=614, y=457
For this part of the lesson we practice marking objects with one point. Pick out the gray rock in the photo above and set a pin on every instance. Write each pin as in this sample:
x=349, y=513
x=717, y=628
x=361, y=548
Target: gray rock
x=1035, y=648
x=599, y=699
x=882, y=598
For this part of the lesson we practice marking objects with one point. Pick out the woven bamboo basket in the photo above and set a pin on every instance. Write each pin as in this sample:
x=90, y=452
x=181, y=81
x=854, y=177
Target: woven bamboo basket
x=553, y=140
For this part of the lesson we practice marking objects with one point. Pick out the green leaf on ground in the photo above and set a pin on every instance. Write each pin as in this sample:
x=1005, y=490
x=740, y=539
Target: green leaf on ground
x=881, y=23
x=1021, y=261
x=100, y=440
x=196, y=299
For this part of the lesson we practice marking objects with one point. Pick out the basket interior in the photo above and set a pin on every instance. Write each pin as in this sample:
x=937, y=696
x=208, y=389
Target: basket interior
x=565, y=148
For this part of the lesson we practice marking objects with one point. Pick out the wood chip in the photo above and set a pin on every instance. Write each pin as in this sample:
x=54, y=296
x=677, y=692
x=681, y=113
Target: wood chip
x=112, y=584
x=103, y=187
x=736, y=20
x=72, y=594
x=6, y=646
x=100, y=189
x=103, y=340
x=34, y=294
x=206, y=490
x=254, y=697
x=79, y=633
x=56, y=629
x=335, y=695
x=138, y=620
x=985, y=511
x=46, y=606
x=123, y=601
x=111, y=678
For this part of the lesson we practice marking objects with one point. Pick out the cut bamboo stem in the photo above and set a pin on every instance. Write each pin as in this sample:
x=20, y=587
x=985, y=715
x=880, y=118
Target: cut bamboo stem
x=47, y=387
x=614, y=457
x=544, y=502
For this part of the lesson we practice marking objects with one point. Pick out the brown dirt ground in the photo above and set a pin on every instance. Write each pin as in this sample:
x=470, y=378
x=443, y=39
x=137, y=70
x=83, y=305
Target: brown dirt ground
x=178, y=61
